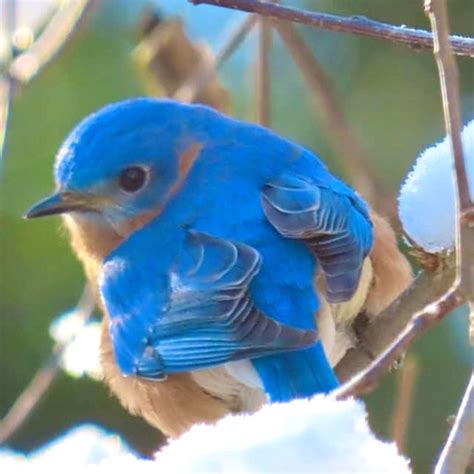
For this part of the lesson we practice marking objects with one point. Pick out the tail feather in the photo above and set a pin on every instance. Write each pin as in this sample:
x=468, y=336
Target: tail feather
x=296, y=374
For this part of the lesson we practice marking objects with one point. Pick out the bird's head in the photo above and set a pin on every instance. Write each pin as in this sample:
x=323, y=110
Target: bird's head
x=123, y=161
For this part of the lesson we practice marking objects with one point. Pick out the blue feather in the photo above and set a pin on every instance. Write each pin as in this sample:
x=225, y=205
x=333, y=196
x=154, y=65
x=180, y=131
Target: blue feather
x=297, y=374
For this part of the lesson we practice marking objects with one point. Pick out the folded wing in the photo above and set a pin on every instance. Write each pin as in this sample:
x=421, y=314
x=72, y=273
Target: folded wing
x=331, y=219
x=200, y=315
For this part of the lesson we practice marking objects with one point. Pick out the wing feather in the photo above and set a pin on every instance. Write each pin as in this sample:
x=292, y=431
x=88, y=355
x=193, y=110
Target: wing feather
x=333, y=221
x=208, y=317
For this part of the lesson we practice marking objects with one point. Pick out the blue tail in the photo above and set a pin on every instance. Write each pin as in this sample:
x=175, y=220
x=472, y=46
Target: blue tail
x=296, y=374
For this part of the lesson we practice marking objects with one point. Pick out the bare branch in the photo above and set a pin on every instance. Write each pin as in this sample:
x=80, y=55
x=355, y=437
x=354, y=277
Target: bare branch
x=428, y=286
x=342, y=136
x=457, y=451
x=421, y=321
x=39, y=385
x=404, y=402
x=356, y=24
x=449, y=81
x=59, y=30
x=24, y=67
x=262, y=86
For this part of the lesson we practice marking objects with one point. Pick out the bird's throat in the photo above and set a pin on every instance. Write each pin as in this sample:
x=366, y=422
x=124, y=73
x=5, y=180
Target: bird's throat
x=93, y=237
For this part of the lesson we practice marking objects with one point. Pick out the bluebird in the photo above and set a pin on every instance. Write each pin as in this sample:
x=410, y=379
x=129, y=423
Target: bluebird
x=216, y=247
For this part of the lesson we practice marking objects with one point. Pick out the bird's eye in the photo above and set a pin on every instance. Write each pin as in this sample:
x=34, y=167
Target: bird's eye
x=132, y=179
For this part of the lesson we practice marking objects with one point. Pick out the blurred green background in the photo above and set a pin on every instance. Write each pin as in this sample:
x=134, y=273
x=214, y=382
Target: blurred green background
x=391, y=97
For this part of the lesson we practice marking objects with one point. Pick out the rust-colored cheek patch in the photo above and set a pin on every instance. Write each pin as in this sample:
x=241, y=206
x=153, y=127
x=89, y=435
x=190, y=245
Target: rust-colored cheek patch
x=186, y=162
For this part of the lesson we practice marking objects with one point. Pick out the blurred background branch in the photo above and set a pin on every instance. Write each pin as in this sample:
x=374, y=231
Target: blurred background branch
x=188, y=92
x=28, y=400
x=21, y=68
x=62, y=26
x=175, y=66
x=404, y=403
x=263, y=75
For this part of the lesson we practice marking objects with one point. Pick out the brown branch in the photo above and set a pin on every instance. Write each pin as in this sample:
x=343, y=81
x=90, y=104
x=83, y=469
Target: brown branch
x=262, y=82
x=421, y=322
x=26, y=403
x=338, y=128
x=39, y=385
x=428, y=286
x=404, y=403
x=356, y=24
x=389, y=324
x=188, y=91
x=449, y=81
x=457, y=452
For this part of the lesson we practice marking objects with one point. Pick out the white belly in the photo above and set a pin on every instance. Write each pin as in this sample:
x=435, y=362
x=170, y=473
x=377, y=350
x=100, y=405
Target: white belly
x=237, y=383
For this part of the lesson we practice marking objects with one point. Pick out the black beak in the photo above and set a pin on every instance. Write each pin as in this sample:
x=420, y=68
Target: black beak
x=58, y=203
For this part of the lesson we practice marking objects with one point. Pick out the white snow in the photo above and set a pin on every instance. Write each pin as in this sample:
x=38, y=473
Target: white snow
x=426, y=201
x=320, y=435
x=85, y=446
x=82, y=352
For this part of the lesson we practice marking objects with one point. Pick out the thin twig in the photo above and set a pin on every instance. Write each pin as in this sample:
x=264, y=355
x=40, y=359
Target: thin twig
x=344, y=140
x=404, y=403
x=59, y=30
x=38, y=386
x=457, y=451
x=189, y=90
x=432, y=313
x=464, y=261
x=262, y=86
x=449, y=81
x=356, y=24
x=421, y=321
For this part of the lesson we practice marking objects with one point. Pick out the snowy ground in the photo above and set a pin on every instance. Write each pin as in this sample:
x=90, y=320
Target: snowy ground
x=317, y=435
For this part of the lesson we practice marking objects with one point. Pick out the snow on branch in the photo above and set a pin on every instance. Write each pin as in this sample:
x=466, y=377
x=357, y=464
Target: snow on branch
x=427, y=198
